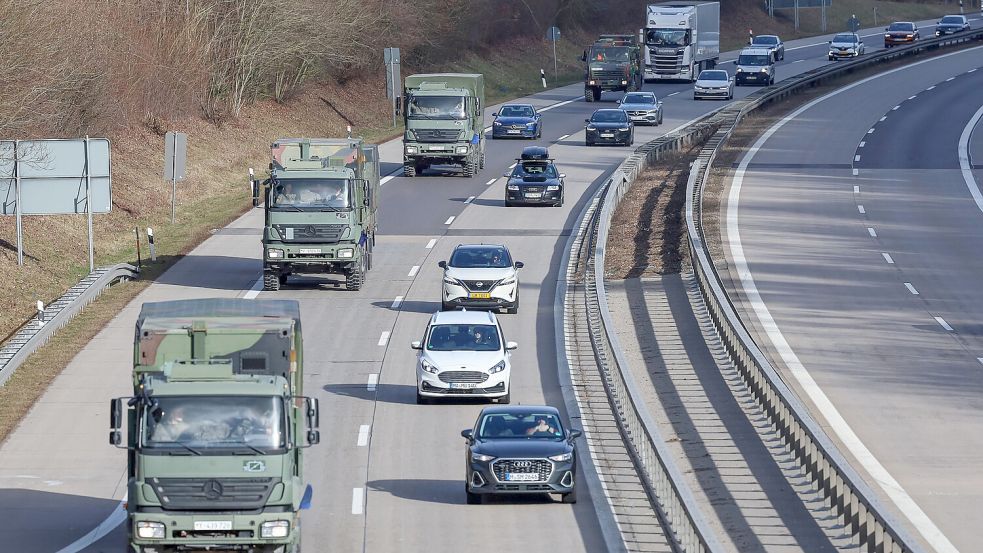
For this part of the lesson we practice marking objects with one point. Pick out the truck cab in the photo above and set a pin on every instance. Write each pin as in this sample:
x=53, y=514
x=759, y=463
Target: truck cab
x=445, y=122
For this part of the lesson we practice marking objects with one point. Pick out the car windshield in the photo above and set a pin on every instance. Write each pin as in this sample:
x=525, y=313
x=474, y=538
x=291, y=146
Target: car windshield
x=666, y=37
x=765, y=40
x=844, y=38
x=502, y=426
x=196, y=424
x=481, y=258
x=754, y=59
x=535, y=169
x=638, y=99
x=713, y=76
x=609, y=116
x=952, y=19
x=516, y=111
x=458, y=337
x=436, y=107
x=609, y=53
x=901, y=27
x=311, y=193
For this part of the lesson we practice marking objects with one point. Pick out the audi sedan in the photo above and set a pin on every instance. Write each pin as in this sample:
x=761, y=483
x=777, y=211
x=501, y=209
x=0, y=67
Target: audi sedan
x=846, y=45
x=609, y=126
x=520, y=450
x=534, y=181
x=951, y=24
x=482, y=276
x=517, y=121
x=902, y=32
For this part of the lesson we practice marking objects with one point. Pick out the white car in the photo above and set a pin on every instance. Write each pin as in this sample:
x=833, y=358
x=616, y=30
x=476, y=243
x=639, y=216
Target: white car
x=714, y=83
x=481, y=276
x=845, y=45
x=463, y=353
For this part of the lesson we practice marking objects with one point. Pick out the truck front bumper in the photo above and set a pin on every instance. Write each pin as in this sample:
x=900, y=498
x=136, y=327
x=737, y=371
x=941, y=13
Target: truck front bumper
x=608, y=84
x=210, y=532
x=311, y=258
x=448, y=152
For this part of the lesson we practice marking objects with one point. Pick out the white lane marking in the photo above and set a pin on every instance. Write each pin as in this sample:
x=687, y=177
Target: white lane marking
x=512, y=166
x=871, y=131
x=563, y=137
x=950, y=79
x=431, y=243
x=672, y=93
x=363, y=435
x=912, y=97
x=372, y=382
x=491, y=182
x=856, y=157
x=397, y=302
x=863, y=143
x=930, y=88
x=384, y=338
x=872, y=232
x=358, y=500
x=911, y=288
x=449, y=220
x=797, y=61
x=856, y=172
x=895, y=108
x=413, y=271
x=883, y=118
x=964, y=161
x=386, y=179
x=971, y=70
x=837, y=423
x=942, y=322
x=980, y=359
x=888, y=258
x=547, y=108
x=856, y=189
x=116, y=518
x=861, y=209
x=255, y=290
x=469, y=199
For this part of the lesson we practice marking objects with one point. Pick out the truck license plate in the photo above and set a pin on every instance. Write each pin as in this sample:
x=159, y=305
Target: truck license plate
x=463, y=385
x=480, y=295
x=310, y=250
x=521, y=476
x=438, y=147
x=213, y=525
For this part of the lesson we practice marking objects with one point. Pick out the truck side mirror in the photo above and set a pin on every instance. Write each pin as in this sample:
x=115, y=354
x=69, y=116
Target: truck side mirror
x=116, y=422
x=313, y=413
x=583, y=57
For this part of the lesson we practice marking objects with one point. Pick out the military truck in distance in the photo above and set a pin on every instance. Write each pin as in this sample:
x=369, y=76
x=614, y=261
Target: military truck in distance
x=445, y=122
x=613, y=62
x=321, y=206
x=216, y=427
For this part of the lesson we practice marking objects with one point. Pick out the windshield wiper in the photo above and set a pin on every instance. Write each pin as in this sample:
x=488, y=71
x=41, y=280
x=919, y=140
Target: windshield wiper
x=288, y=208
x=185, y=446
x=244, y=444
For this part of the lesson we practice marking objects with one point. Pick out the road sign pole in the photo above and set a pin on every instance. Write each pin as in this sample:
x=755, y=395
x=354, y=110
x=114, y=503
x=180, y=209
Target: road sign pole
x=17, y=209
x=556, y=77
x=174, y=181
x=88, y=202
x=824, y=14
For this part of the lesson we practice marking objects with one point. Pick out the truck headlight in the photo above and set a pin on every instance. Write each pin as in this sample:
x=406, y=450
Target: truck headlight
x=551, y=188
x=428, y=367
x=591, y=82
x=481, y=458
x=411, y=149
x=499, y=367
x=462, y=149
x=346, y=253
x=150, y=530
x=624, y=82
x=561, y=457
x=274, y=529
x=274, y=253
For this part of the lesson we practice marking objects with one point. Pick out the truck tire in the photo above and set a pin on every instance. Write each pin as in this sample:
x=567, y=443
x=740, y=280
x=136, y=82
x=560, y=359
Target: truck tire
x=356, y=278
x=409, y=169
x=481, y=161
x=469, y=166
x=589, y=94
x=283, y=278
x=271, y=282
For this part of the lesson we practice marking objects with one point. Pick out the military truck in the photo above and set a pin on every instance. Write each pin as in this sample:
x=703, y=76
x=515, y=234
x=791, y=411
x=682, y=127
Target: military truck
x=321, y=201
x=613, y=62
x=445, y=122
x=216, y=427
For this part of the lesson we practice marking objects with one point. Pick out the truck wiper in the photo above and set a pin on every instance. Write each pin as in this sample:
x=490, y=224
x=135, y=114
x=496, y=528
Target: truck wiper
x=186, y=446
x=244, y=444
x=288, y=208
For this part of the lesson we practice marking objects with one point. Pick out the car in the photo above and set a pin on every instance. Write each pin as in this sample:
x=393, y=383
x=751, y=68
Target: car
x=609, y=126
x=771, y=42
x=846, y=45
x=520, y=450
x=517, y=121
x=481, y=276
x=951, y=24
x=642, y=107
x=755, y=65
x=463, y=354
x=534, y=181
x=713, y=83
x=900, y=32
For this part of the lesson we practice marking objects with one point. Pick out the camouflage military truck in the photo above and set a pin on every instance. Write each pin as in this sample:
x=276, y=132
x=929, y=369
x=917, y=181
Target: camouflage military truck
x=216, y=427
x=321, y=206
x=613, y=62
x=445, y=122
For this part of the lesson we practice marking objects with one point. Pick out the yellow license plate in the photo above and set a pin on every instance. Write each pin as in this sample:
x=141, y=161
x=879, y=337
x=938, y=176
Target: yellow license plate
x=479, y=295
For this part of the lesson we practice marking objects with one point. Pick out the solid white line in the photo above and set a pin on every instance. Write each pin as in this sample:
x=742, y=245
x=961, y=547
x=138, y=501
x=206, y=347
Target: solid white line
x=888, y=258
x=895, y=108
x=373, y=381
x=255, y=290
x=883, y=118
x=384, y=338
x=863, y=143
x=856, y=158
x=856, y=172
x=971, y=70
x=491, y=182
x=964, y=161
x=950, y=79
x=397, y=302
x=872, y=232
x=912, y=97
x=363, y=435
x=942, y=322
x=386, y=179
x=856, y=189
x=413, y=270
x=824, y=406
x=449, y=220
x=672, y=93
x=563, y=137
x=861, y=209
x=911, y=288
x=871, y=131
x=358, y=498
x=431, y=243
x=114, y=520
x=469, y=199
x=547, y=108
x=931, y=87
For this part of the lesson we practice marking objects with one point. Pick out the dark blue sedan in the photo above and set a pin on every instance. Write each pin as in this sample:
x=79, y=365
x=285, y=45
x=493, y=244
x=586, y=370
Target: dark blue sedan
x=517, y=121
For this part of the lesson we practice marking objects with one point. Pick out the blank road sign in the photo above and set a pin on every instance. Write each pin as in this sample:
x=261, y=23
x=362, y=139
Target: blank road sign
x=52, y=176
x=175, y=155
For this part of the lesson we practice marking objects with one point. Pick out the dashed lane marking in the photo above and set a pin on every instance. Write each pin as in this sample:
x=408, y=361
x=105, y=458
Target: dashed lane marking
x=431, y=243
x=872, y=232
x=384, y=338
x=888, y=258
x=911, y=288
x=413, y=271
x=358, y=500
x=942, y=322
x=372, y=382
x=397, y=302
x=363, y=435
x=449, y=220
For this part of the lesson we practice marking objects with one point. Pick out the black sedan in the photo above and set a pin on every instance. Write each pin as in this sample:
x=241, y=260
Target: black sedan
x=517, y=121
x=951, y=24
x=534, y=181
x=520, y=449
x=610, y=126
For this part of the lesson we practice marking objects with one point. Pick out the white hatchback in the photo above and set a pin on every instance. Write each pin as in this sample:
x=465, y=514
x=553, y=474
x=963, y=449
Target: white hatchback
x=481, y=276
x=463, y=354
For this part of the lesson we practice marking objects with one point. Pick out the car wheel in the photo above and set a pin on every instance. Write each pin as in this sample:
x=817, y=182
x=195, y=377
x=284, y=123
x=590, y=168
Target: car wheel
x=420, y=400
x=569, y=498
x=504, y=400
x=588, y=143
x=508, y=203
x=660, y=117
x=473, y=498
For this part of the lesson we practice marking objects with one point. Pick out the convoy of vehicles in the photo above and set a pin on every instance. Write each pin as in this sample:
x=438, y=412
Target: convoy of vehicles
x=444, y=115
x=772, y=43
x=481, y=276
x=642, y=108
x=846, y=45
x=682, y=38
x=901, y=32
x=714, y=83
x=951, y=24
x=609, y=126
x=534, y=180
x=517, y=121
x=755, y=66
x=613, y=62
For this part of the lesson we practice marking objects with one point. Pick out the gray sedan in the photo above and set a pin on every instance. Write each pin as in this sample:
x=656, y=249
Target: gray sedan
x=642, y=108
x=714, y=83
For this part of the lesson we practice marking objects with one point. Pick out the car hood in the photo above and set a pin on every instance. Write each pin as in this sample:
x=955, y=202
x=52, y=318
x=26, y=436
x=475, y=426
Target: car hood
x=712, y=84
x=614, y=125
x=843, y=45
x=900, y=33
x=639, y=107
x=949, y=26
x=484, y=273
x=514, y=120
x=523, y=448
x=459, y=360
x=534, y=180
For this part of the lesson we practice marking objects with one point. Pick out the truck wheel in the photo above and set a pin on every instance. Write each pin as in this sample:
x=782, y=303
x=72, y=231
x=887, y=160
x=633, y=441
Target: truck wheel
x=589, y=94
x=469, y=166
x=271, y=282
x=283, y=278
x=481, y=161
x=409, y=169
x=356, y=278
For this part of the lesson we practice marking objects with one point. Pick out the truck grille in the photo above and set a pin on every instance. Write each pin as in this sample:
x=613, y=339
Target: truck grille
x=480, y=285
x=542, y=467
x=666, y=61
x=437, y=135
x=321, y=234
x=608, y=74
x=462, y=376
x=212, y=494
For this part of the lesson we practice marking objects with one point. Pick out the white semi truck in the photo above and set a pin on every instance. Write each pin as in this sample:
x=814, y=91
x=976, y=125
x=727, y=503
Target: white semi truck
x=681, y=39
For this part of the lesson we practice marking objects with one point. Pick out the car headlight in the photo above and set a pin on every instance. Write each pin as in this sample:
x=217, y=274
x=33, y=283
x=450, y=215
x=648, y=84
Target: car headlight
x=551, y=188
x=512, y=187
x=411, y=149
x=462, y=149
x=428, y=366
x=591, y=128
x=909, y=36
x=506, y=281
x=739, y=70
x=481, y=458
x=497, y=124
x=938, y=33
x=150, y=530
x=764, y=69
x=274, y=529
x=624, y=129
x=499, y=367
x=887, y=36
x=346, y=253
x=452, y=281
x=561, y=457
x=274, y=253
x=531, y=125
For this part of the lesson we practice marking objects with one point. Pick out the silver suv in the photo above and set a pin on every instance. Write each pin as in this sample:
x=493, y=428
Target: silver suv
x=755, y=66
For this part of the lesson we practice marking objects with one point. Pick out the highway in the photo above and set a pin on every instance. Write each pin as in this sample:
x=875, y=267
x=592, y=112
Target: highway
x=387, y=475
x=858, y=263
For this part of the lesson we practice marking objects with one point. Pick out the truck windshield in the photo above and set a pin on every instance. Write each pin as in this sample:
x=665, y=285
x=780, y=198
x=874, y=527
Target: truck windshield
x=204, y=424
x=667, y=37
x=436, y=107
x=311, y=194
x=609, y=53
x=749, y=59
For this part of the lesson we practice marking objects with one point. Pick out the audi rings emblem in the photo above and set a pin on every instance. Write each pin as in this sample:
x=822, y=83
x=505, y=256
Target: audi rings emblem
x=522, y=464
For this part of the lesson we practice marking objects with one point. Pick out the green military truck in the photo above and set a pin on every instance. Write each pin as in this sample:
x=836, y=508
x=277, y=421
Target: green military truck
x=321, y=202
x=216, y=428
x=613, y=62
x=445, y=122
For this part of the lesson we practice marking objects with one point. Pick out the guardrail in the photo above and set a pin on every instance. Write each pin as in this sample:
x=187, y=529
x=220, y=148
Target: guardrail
x=36, y=332
x=873, y=527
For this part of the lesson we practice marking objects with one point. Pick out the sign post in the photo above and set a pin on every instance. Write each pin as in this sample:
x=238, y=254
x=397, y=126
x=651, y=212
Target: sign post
x=391, y=56
x=553, y=35
x=88, y=202
x=175, y=160
x=18, y=210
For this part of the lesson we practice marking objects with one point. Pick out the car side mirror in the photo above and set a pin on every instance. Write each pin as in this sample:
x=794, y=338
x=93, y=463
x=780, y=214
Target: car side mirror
x=509, y=174
x=416, y=344
x=586, y=120
x=509, y=346
x=442, y=264
x=574, y=434
x=618, y=101
x=519, y=264
x=830, y=42
x=495, y=114
x=563, y=175
x=468, y=434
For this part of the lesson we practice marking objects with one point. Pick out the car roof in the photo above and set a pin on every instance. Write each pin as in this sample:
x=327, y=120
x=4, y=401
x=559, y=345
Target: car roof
x=963, y=17
x=767, y=36
x=756, y=52
x=479, y=246
x=462, y=317
x=607, y=109
x=517, y=105
x=902, y=23
x=520, y=409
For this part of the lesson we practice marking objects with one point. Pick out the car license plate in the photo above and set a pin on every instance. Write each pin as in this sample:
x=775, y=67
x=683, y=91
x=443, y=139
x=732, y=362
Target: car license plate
x=463, y=385
x=533, y=195
x=213, y=525
x=521, y=476
x=480, y=295
x=607, y=135
x=512, y=131
x=310, y=250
